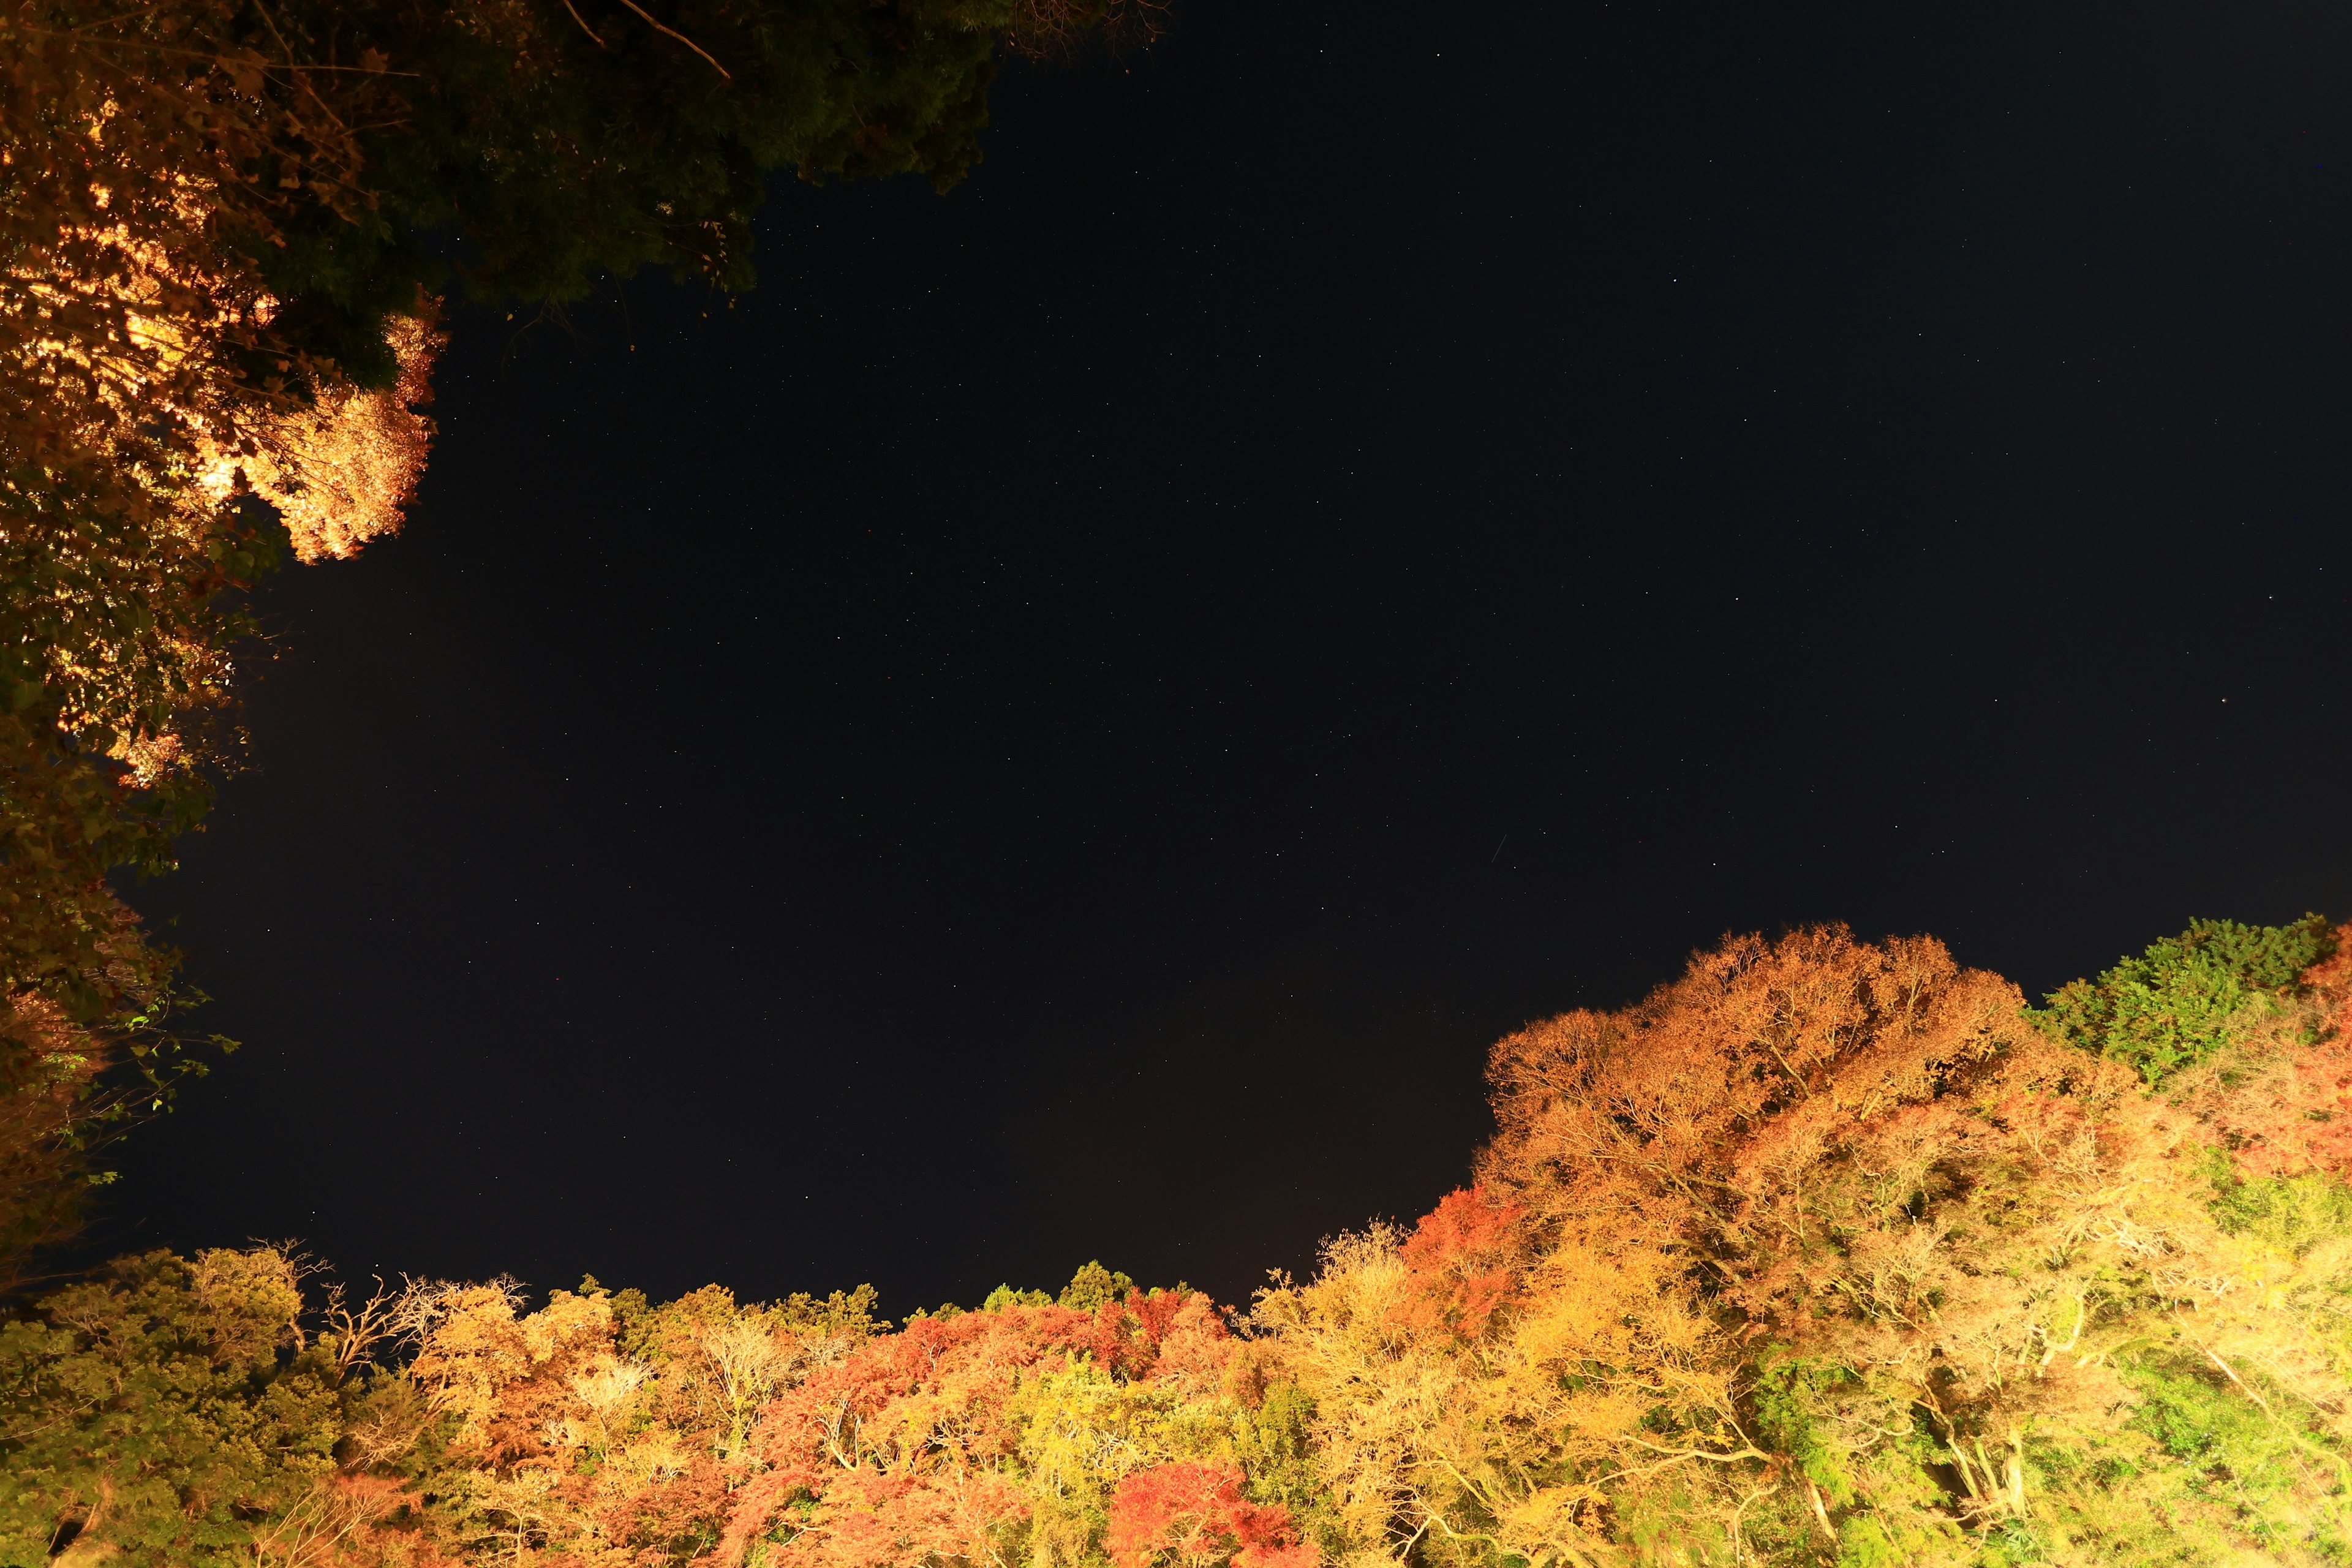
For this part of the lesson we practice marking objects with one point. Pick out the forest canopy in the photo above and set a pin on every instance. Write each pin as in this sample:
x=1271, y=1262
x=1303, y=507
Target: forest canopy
x=1825, y=1252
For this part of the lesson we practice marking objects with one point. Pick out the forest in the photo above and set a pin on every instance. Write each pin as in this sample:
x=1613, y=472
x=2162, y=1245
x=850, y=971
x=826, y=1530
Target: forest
x=1826, y=1251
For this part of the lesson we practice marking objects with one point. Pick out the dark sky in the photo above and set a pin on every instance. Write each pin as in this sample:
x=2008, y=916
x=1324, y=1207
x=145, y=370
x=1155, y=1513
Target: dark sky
x=1064, y=724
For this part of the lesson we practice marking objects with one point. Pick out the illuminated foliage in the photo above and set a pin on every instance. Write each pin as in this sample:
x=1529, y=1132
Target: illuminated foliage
x=1828, y=1252
x=218, y=318
x=1460, y=1257
x=2176, y=1005
x=162, y=1409
x=1195, y=1515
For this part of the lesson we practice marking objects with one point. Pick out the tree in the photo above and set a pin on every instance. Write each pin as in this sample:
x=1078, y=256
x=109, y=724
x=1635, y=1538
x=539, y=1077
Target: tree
x=2179, y=1001
x=988, y=1436
x=1828, y=1251
x=226, y=229
x=154, y=1412
x=1195, y=1515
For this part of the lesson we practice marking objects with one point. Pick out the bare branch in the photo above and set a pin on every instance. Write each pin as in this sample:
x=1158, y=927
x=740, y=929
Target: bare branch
x=673, y=32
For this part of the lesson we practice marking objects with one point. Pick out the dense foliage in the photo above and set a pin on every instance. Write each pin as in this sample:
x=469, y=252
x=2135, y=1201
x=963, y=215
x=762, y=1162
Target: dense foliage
x=226, y=227
x=1825, y=1253
x=2175, y=1004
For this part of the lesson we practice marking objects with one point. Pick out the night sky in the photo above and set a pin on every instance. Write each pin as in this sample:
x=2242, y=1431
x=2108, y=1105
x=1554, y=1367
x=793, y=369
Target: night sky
x=1064, y=724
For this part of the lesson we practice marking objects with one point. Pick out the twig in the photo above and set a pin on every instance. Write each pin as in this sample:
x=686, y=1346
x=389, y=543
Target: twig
x=674, y=33
x=585, y=27
x=2230, y=1372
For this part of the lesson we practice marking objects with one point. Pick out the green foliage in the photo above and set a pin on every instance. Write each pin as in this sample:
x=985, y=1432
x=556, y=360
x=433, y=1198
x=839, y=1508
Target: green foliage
x=2171, y=1007
x=1093, y=1285
x=161, y=1407
x=1005, y=1296
x=2293, y=1214
x=1864, y=1542
x=1787, y=1400
x=2254, y=1463
x=1275, y=1441
x=842, y=1314
x=1275, y=1446
x=2196, y=1414
x=1667, y=1524
x=1908, y=1517
x=67, y=1092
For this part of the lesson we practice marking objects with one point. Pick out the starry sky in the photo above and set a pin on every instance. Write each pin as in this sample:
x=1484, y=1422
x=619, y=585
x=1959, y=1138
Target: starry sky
x=1063, y=724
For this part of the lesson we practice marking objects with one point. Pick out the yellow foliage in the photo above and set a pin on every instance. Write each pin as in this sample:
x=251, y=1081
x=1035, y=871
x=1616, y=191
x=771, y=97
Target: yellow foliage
x=341, y=469
x=509, y=1380
x=1608, y=1378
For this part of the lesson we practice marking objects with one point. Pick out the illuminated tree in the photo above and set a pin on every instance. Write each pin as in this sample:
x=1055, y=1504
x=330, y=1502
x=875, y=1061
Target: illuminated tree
x=220, y=284
x=1828, y=1251
x=152, y=1414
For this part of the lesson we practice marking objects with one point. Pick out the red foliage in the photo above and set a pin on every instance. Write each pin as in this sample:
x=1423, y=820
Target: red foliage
x=682, y=1507
x=2289, y=1110
x=1155, y=1312
x=1462, y=1254
x=1197, y=1514
x=910, y=1427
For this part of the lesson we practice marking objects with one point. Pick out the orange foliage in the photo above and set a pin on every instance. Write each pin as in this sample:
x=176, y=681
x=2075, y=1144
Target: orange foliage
x=47, y=1067
x=1462, y=1256
x=2284, y=1107
x=1824, y=1246
x=1192, y=1352
x=507, y=1379
x=1196, y=1514
x=1775, y=1095
x=898, y=1450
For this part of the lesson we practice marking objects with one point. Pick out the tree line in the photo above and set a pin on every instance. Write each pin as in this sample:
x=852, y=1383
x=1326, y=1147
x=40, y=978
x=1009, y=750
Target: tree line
x=1827, y=1252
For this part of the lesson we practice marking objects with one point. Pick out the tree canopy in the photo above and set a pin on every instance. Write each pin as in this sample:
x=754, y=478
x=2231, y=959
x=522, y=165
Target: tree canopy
x=1827, y=1252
